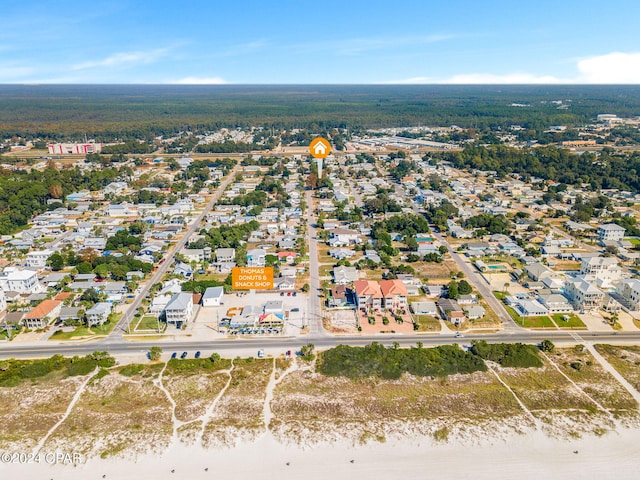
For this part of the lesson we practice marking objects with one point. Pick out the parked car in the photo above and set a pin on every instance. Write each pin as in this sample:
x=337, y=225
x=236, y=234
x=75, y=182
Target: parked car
x=174, y=354
x=260, y=353
x=197, y=354
x=295, y=309
x=184, y=355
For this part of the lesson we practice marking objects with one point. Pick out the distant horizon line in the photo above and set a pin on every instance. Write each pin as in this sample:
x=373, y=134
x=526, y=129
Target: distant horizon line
x=401, y=84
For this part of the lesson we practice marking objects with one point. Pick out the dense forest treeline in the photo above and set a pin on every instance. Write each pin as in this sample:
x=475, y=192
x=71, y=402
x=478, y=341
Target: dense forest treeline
x=127, y=112
x=599, y=170
x=25, y=194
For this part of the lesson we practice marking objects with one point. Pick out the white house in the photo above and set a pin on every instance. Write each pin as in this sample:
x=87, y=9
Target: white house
x=196, y=254
x=556, y=303
x=21, y=281
x=3, y=301
x=610, y=232
x=256, y=258
x=630, y=291
x=604, y=269
x=213, y=297
x=38, y=259
x=98, y=314
x=583, y=295
x=179, y=309
x=158, y=304
x=284, y=283
x=344, y=275
x=225, y=254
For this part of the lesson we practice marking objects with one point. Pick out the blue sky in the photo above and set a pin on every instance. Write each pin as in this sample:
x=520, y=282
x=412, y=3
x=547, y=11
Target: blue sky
x=347, y=41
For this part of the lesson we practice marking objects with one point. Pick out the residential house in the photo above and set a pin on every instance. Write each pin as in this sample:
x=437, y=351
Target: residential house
x=424, y=308
x=256, y=257
x=196, y=254
x=368, y=294
x=604, y=269
x=42, y=315
x=629, y=291
x=135, y=275
x=213, y=297
x=451, y=310
x=179, y=309
x=38, y=259
x=394, y=294
x=372, y=255
x=538, y=271
x=344, y=275
x=342, y=237
x=98, y=314
x=115, y=291
x=183, y=269
x=171, y=286
x=526, y=306
x=69, y=314
x=583, y=294
x=225, y=254
x=288, y=257
x=610, y=232
x=474, y=312
x=555, y=303
x=20, y=281
x=121, y=210
x=97, y=243
x=287, y=243
x=158, y=304
x=284, y=283
x=339, y=296
x=341, y=253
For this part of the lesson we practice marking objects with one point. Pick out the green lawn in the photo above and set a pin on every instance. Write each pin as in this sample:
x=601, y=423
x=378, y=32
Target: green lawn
x=149, y=322
x=536, y=322
x=84, y=331
x=572, y=322
x=78, y=332
x=633, y=240
x=427, y=323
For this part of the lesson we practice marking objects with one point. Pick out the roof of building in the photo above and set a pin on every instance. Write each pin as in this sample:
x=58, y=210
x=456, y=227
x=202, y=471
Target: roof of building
x=213, y=292
x=43, y=309
x=367, y=287
x=393, y=287
x=180, y=301
x=612, y=227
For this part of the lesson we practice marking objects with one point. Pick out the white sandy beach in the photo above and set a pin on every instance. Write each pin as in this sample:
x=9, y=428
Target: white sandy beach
x=530, y=456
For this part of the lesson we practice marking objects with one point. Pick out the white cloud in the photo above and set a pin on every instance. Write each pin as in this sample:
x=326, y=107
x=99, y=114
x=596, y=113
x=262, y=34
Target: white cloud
x=612, y=68
x=616, y=67
x=200, y=81
x=124, y=58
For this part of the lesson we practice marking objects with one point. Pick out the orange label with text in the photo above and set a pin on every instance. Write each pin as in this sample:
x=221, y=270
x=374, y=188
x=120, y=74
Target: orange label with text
x=252, y=278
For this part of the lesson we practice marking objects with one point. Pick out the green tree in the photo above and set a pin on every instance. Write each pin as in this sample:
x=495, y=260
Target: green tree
x=155, y=353
x=464, y=288
x=56, y=262
x=453, y=292
x=547, y=346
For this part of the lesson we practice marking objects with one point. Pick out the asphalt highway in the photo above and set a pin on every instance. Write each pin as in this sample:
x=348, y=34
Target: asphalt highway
x=249, y=346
